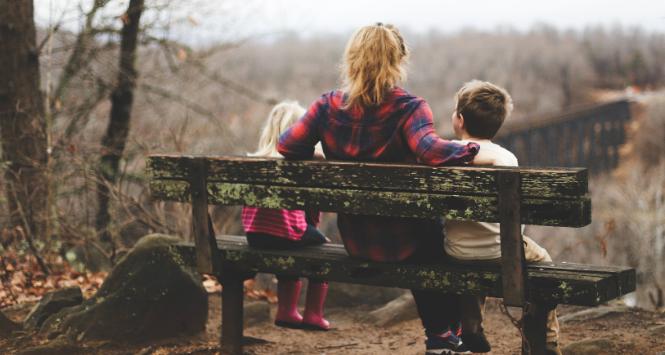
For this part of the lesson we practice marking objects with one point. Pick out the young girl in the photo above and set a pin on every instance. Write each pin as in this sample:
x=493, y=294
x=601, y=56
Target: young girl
x=287, y=229
x=373, y=119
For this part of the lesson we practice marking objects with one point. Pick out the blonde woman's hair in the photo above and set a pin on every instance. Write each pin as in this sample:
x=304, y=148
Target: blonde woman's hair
x=281, y=117
x=374, y=62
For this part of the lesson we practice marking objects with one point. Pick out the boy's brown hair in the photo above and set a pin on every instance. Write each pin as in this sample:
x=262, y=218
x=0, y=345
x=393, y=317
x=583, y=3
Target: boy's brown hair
x=484, y=107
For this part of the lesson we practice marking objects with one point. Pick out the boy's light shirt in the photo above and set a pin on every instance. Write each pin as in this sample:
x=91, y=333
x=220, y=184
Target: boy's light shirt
x=468, y=240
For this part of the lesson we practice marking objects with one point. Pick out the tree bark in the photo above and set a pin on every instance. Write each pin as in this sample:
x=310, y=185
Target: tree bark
x=122, y=97
x=22, y=120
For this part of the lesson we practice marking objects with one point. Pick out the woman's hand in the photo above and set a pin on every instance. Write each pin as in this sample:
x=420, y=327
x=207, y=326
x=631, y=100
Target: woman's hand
x=483, y=158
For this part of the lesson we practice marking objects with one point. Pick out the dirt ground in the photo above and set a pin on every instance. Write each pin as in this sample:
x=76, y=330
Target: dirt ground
x=632, y=332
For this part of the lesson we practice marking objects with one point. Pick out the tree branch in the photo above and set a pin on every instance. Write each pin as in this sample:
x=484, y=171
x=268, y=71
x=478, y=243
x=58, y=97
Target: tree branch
x=76, y=60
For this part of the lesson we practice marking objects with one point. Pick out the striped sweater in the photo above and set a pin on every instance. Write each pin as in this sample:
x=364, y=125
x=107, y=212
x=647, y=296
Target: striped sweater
x=289, y=224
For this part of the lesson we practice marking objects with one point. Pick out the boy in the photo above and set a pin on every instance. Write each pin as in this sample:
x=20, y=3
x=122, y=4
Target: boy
x=480, y=110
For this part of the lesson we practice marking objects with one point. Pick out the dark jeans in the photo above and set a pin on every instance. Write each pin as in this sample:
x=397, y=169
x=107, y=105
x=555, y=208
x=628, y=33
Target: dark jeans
x=312, y=236
x=437, y=310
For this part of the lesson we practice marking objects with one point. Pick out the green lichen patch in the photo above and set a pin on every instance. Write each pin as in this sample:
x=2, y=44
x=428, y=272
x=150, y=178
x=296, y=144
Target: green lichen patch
x=430, y=279
x=279, y=262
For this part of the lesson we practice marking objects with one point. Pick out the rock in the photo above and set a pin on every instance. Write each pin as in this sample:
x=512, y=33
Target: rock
x=7, y=326
x=51, y=303
x=589, y=347
x=150, y=294
x=345, y=295
x=399, y=310
x=61, y=346
x=593, y=313
x=255, y=313
x=132, y=231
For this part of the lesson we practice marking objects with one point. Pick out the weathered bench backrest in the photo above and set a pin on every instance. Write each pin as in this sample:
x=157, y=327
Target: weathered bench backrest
x=553, y=197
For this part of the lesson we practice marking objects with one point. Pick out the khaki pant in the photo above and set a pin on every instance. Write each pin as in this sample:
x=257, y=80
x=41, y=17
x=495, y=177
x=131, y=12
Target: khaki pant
x=473, y=307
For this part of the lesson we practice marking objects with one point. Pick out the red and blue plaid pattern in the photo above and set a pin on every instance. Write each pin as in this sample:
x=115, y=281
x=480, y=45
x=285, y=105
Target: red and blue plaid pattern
x=399, y=130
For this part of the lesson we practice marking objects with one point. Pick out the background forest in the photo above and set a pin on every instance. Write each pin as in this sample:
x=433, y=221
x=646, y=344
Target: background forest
x=212, y=98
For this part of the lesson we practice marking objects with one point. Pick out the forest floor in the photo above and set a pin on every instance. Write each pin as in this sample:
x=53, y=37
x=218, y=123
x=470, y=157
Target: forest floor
x=623, y=331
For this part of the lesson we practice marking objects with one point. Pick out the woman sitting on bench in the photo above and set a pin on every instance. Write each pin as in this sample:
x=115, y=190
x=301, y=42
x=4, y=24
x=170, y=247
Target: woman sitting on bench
x=373, y=119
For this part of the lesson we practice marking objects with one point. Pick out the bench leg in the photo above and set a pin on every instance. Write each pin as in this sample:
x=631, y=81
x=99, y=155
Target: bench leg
x=232, y=309
x=535, y=328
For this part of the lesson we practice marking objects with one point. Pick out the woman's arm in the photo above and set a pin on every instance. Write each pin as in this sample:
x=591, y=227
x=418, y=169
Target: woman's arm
x=299, y=140
x=428, y=147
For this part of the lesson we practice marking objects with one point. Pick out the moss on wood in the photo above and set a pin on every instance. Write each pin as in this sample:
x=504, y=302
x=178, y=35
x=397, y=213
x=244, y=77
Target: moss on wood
x=540, y=182
x=566, y=212
x=548, y=284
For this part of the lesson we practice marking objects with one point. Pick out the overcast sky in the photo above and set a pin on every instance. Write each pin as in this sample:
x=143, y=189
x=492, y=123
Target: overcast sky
x=314, y=16
x=421, y=15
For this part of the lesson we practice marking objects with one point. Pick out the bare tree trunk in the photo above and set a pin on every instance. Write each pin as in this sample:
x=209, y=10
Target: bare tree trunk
x=115, y=138
x=22, y=120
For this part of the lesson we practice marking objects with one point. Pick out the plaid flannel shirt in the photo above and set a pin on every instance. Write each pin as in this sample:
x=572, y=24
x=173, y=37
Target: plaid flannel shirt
x=401, y=129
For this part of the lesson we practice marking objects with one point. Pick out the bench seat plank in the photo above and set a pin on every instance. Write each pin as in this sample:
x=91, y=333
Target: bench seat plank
x=560, y=212
x=549, y=282
x=481, y=181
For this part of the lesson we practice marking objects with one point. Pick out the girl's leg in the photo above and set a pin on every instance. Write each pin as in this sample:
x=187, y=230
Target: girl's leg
x=312, y=236
x=288, y=289
x=316, y=297
x=288, y=293
x=267, y=241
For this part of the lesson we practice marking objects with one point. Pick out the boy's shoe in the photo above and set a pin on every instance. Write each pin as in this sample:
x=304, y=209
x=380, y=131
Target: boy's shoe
x=445, y=343
x=476, y=342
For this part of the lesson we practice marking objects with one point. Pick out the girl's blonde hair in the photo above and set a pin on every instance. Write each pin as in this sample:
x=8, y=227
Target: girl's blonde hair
x=374, y=62
x=281, y=117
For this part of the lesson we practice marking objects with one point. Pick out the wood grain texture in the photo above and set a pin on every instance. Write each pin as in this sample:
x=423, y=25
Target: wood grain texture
x=513, y=270
x=542, y=183
x=232, y=315
x=548, y=212
x=207, y=259
x=553, y=283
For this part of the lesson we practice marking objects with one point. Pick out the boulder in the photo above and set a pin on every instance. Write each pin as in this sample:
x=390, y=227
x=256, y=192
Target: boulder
x=56, y=347
x=150, y=294
x=7, y=326
x=399, y=310
x=590, y=347
x=51, y=303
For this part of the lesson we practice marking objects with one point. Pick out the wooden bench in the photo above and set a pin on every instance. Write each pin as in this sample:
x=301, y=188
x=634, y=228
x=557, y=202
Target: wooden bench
x=511, y=196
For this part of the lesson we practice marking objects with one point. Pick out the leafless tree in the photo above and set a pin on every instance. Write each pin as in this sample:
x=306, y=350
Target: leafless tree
x=122, y=98
x=22, y=120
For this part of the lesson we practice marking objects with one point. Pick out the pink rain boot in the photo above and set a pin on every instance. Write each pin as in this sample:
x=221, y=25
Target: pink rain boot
x=316, y=296
x=288, y=292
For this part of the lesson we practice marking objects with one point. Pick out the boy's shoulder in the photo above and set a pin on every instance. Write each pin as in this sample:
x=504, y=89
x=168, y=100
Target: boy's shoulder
x=492, y=152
